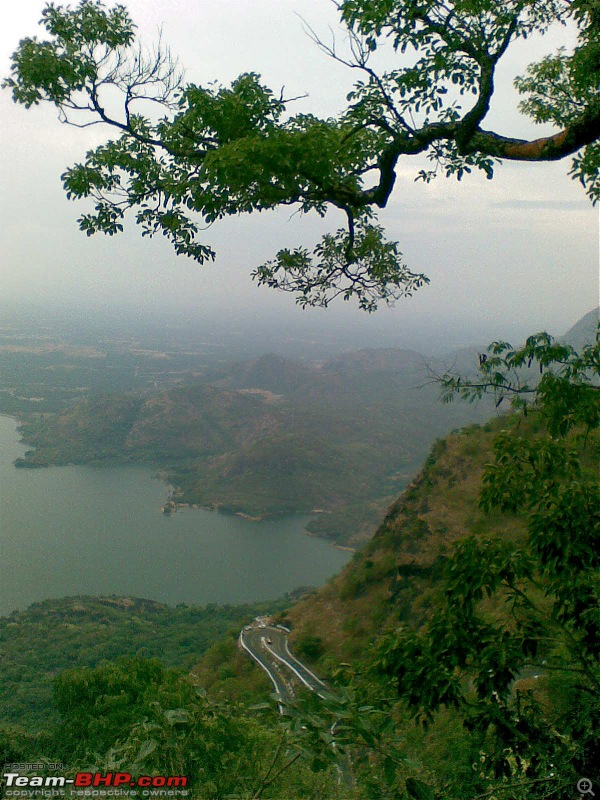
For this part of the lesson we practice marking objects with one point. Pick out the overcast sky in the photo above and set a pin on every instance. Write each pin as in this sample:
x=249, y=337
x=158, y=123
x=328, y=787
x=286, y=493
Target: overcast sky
x=505, y=257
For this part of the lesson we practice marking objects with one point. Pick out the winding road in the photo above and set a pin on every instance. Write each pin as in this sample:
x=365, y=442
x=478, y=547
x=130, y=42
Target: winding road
x=268, y=646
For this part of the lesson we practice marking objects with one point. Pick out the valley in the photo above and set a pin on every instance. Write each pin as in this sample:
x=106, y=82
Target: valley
x=264, y=437
x=441, y=632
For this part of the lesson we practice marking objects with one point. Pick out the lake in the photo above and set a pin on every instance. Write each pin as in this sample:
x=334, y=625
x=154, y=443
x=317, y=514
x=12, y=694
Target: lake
x=99, y=530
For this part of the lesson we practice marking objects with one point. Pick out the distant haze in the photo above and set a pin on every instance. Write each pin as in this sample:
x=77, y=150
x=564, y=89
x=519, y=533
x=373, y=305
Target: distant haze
x=506, y=257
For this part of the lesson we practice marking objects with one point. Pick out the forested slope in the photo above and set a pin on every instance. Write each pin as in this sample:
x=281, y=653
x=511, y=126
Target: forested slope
x=271, y=436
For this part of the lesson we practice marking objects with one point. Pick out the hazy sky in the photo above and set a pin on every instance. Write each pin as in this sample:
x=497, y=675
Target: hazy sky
x=505, y=257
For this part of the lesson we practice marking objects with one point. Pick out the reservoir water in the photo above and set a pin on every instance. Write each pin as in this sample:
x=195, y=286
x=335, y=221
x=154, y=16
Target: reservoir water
x=97, y=531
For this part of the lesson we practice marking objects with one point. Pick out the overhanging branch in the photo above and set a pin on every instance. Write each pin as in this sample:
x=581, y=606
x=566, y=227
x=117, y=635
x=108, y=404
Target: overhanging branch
x=580, y=133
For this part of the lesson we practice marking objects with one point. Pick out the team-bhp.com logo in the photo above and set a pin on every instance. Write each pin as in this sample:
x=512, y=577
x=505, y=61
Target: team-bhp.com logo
x=83, y=783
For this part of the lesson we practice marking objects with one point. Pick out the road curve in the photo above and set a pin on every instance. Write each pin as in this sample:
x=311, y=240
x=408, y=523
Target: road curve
x=268, y=646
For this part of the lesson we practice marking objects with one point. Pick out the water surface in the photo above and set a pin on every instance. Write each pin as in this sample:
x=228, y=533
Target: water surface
x=96, y=530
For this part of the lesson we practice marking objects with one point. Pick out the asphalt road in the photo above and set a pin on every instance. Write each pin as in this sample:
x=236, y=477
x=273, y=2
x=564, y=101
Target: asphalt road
x=269, y=647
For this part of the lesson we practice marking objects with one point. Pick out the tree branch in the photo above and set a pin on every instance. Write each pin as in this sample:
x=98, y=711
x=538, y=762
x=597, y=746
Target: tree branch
x=578, y=134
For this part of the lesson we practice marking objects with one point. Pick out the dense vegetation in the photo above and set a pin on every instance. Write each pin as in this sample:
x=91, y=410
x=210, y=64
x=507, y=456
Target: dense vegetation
x=479, y=594
x=462, y=640
x=480, y=599
x=54, y=635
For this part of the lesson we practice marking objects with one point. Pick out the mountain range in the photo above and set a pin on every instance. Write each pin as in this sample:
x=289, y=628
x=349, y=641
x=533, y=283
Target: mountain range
x=274, y=435
x=270, y=435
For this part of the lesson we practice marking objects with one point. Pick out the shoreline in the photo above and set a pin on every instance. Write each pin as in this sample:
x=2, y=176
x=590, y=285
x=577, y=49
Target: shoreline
x=161, y=476
x=344, y=547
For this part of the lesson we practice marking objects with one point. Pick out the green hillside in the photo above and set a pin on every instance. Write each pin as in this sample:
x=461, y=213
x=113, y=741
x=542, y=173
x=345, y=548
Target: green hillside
x=472, y=614
x=270, y=436
x=395, y=576
x=460, y=644
x=54, y=635
x=399, y=578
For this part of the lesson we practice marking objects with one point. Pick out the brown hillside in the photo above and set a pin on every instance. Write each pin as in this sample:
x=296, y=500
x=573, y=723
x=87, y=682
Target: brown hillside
x=394, y=576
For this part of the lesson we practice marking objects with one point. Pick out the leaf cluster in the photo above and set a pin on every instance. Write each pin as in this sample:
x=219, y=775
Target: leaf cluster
x=363, y=266
x=528, y=604
x=220, y=150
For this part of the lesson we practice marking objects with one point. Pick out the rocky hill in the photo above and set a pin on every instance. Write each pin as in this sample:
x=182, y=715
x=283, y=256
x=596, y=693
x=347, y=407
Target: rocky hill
x=583, y=331
x=271, y=436
x=393, y=576
x=396, y=573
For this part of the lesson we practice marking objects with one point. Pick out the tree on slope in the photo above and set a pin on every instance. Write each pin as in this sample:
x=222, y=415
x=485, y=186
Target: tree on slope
x=216, y=151
x=524, y=605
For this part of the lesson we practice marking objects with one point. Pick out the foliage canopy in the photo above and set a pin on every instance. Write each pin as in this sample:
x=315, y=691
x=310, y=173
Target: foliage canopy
x=213, y=151
x=516, y=610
